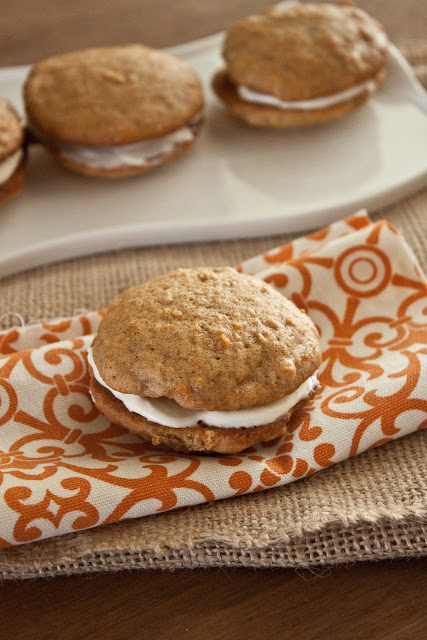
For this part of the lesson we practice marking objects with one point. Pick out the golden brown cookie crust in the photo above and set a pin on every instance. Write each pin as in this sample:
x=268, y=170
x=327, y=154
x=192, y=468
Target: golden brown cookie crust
x=11, y=130
x=307, y=51
x=202, y=438
x=258, y=115
x=208, y=338
x=111, y=95
x=125, y=171
x=13, y=186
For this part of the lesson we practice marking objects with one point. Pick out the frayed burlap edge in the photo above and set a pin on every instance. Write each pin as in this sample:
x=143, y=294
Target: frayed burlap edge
x=336, y=545
x=373, y=506
x=369, y=508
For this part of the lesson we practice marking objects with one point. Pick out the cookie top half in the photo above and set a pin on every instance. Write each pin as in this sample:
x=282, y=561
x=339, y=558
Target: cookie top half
x=208, y=338
x=305, y=51
x=11, y=130
x=111, y=95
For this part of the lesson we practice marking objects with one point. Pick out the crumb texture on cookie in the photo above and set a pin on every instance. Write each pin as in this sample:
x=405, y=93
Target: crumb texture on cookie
x=209, y=338
x=11, y=130
x=306, y=51
x=111, y=95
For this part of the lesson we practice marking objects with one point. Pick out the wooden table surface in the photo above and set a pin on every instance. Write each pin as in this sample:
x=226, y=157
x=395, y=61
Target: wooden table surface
x=366, y=601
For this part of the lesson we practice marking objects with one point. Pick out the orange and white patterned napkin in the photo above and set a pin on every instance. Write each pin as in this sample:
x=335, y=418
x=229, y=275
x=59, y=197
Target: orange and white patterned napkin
x=64, y=467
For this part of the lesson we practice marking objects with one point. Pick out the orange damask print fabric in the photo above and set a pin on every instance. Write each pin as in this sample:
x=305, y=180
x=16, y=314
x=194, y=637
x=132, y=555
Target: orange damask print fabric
x=64, y=467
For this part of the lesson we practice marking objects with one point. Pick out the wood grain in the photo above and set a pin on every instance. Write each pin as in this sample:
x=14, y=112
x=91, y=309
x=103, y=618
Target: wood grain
x=366, y=601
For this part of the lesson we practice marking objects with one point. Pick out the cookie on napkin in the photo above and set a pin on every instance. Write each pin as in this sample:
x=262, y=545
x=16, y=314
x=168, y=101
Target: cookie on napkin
x=204, y=359
x=12, y=153
x=301, y=64
x=114, y=111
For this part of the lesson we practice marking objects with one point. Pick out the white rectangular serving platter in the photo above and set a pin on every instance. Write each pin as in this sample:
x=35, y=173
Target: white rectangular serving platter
x=235, y=182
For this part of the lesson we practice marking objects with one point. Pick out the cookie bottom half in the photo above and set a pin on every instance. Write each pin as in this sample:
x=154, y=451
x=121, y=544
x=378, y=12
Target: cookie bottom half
x=125, y=170
x=258, y=115
x=201, y=438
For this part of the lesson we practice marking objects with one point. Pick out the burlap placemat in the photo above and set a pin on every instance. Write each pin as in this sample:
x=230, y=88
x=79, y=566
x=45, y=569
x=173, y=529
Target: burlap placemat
x=371, y=507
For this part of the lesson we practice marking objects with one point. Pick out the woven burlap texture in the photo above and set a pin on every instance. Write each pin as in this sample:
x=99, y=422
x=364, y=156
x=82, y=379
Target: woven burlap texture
x=371, y=507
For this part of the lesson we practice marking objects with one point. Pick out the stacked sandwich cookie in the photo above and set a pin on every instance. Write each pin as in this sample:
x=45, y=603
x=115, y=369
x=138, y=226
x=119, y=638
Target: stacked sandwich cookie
x=114, y=111
x=301, y=64
x=12, y=152
x=204, y=359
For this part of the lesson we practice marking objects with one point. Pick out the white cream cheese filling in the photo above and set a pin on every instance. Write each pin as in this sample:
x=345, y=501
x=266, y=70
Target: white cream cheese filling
x=9, y=165
x=169, y=413
x=322, y=102
x=137, y=154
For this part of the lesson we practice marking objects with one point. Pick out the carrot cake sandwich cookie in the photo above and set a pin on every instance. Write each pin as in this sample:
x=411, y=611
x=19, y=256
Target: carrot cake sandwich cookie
x=12, y=152
x=204, y=359
x=114, y=111
x=301, y=64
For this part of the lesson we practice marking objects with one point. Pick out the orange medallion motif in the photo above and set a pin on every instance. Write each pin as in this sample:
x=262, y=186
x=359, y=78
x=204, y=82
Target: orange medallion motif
x=65, y=467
